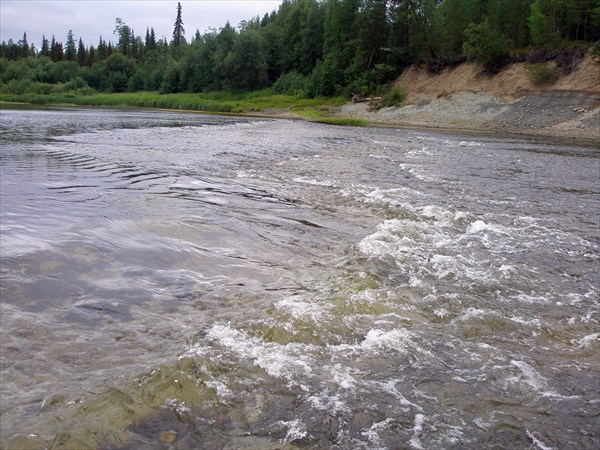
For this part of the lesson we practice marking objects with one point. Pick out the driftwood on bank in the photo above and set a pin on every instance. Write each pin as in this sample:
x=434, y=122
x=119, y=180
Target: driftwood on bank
x=357, y=98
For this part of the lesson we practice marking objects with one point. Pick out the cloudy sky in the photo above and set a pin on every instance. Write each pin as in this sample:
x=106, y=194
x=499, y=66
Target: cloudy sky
x=91, y=19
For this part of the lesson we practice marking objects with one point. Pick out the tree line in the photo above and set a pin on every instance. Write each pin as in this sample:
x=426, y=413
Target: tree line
x=305, y=47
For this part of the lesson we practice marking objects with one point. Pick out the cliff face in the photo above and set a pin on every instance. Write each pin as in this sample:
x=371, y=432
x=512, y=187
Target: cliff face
x=463, y=98
x=510, y=84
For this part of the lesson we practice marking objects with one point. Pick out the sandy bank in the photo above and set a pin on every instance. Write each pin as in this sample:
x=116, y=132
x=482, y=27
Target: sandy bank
x=461, y=98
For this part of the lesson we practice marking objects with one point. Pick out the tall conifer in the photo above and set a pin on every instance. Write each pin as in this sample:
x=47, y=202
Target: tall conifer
x=178, y=31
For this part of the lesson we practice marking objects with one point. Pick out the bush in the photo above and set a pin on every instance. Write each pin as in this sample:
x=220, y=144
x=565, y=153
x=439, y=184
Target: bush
x=394, y=97
x=291, y=83
x=41, y=88
x=75, y=83
x=542, y=73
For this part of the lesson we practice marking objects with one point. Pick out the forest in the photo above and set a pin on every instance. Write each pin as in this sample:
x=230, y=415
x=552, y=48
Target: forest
x=306, y=48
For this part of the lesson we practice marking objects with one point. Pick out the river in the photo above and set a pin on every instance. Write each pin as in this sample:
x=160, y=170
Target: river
x=179, y=281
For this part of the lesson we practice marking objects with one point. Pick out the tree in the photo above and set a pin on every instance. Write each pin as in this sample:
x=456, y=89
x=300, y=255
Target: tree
x=150, y=41
x=486, y=45
x=244, y=66
x=81, y=53
x=341, y=30
x=56, y=50
x=45, y=50
x=542, y=27
x=23, y=47
x=312, y=36
x=225, y=40
x=373, y=34
x=70, y=49
x=118, y=69
x=178, y=31
x=124, y=33
x=198, y=72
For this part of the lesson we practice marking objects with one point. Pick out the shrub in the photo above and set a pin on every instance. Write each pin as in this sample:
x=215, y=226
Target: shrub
x=394, y=97
x=75, y=83
x=541, y=73
x=291, y=83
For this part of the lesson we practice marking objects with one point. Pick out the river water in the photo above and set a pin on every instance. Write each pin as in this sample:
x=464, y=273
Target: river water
x=183, y=281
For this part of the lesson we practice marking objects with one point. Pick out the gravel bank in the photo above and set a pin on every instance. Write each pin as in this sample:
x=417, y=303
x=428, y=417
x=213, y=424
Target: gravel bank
x=461, y=98
x=560, y=114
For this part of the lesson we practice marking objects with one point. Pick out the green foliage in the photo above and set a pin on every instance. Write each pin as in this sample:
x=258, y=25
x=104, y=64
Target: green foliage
x=178, y=30
x=327, y=79
x=541, y=27
x=394, y=97
x=291, y=83
x=307, y=48
x=542, y=73
x=344, y=121
x=486, y=45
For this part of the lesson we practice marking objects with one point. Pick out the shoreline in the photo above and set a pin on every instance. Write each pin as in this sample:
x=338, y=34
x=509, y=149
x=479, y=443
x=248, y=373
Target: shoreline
x=572, y=116
x=446, y=115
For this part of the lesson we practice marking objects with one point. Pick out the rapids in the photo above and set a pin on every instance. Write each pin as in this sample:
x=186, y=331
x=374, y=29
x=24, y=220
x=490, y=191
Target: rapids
x=176, y=280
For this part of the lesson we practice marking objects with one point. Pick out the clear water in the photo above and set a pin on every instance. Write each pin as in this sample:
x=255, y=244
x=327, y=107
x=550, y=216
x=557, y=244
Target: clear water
x=184, y=281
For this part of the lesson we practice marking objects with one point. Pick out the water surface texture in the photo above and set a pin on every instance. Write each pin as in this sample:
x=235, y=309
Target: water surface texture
x=185, y=281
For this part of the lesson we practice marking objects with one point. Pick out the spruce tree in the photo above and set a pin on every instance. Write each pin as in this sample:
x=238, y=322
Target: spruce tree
x=178, y=31
x=45, y=50
x=70, y=50
x=23, y=47
x=81, y=54
x=56, y=50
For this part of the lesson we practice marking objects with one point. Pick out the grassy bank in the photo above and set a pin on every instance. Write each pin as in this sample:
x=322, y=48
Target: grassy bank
x=259, y=102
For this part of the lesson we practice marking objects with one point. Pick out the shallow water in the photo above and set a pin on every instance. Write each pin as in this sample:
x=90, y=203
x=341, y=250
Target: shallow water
x=183, y=281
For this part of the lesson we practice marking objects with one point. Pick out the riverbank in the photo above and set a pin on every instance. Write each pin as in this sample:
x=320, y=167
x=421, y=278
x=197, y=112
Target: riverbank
x=461, y=98
x=458, y=98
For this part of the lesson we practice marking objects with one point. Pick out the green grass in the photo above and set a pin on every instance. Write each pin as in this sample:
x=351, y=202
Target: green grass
x=255, y=102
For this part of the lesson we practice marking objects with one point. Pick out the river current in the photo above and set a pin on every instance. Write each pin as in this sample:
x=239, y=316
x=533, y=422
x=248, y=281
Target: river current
x=183, y=281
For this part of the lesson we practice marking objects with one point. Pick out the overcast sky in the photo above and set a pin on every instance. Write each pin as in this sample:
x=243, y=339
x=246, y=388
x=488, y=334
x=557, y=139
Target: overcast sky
x=91, y=19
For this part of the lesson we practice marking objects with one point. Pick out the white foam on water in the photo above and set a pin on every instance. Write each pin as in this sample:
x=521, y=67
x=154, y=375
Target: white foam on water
x=528, y=375
x=398, y=340
x=396, y=197
x=341, y=376
x=475, y=313
x=537, y=442
x=332, y=403
x=586, y=341
x=479, y=226
x=536, y=323
x=178, y=406
x=389, y=387
x=301, y=309
x=482, y=423
x=433, y=248
x=417, y=429
x=372, y=434
x=223, y=392
x=290, y=361
x=296, y=430
x=441, y=312
x=532, y=298
x=315, y=182
x=250, y=173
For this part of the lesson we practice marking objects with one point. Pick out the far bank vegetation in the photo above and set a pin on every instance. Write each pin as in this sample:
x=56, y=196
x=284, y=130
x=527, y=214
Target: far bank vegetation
x=306, y=49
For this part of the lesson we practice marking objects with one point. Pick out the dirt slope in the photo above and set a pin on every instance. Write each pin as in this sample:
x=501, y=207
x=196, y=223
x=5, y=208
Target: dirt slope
x=463, y=98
